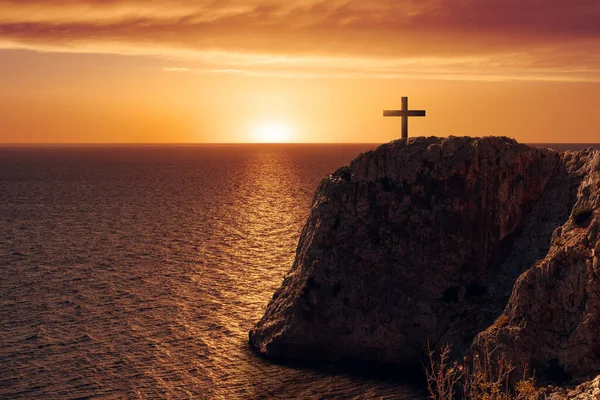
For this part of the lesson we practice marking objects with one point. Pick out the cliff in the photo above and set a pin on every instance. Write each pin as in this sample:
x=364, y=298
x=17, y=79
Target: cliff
x=552, y=320
x=442, y=240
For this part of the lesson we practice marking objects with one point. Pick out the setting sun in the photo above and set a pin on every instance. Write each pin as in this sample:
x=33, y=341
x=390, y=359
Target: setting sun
x=272, y=132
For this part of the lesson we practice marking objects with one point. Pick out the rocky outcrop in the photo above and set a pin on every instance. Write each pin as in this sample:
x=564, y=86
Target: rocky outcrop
x=433, y=241
x=589, y=390
x=552, y=321
x=405, y=245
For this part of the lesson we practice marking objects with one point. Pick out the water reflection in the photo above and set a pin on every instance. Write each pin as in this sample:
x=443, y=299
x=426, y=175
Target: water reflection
x=137, y=272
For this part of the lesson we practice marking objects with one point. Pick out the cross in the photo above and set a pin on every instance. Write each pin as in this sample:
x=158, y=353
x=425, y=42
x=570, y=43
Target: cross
x=404, y=113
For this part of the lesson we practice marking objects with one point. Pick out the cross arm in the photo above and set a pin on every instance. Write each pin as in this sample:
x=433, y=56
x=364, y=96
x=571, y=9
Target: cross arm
x=401, y=113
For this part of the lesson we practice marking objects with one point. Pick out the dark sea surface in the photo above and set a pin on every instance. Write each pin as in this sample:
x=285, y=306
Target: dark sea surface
x=137, y=271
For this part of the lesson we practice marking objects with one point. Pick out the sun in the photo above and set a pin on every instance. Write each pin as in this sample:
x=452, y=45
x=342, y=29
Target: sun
x=272, y=132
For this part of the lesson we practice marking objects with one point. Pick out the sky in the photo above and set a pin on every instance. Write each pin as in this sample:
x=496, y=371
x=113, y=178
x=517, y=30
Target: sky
x=223, y=71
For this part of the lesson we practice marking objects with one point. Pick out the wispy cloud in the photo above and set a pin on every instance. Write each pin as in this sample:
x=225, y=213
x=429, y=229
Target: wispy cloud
x=546, y=39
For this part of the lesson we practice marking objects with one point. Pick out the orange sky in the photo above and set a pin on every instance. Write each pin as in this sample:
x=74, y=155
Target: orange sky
x=222, y=70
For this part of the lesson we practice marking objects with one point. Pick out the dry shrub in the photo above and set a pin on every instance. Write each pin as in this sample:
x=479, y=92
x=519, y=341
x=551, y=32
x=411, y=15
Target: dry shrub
x=482, y=377
x=443, y=377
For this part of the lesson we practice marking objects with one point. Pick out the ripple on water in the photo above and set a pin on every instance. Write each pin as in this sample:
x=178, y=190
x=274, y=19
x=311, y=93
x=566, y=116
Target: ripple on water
x=137, y=272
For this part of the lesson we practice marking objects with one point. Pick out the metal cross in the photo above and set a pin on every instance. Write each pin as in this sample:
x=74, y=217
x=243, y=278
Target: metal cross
x=404, y=113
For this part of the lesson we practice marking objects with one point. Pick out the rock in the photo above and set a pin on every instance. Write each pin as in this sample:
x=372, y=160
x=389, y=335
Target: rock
x=552, y=320
x=436, y=241
x=422, y=241
x=586, y=391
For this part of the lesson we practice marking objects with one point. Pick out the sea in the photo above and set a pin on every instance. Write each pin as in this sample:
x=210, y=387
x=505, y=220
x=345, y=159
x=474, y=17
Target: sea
x=136, y=271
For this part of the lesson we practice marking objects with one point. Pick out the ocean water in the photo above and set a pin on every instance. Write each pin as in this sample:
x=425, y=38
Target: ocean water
x=137, y=272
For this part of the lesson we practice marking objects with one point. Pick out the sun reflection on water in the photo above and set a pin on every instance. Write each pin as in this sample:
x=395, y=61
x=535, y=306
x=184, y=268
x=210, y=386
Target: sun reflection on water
x=138, y=272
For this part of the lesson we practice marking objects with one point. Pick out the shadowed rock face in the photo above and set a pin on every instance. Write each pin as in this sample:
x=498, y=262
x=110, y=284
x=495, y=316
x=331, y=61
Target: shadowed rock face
x=552, y=321
x=418, y=240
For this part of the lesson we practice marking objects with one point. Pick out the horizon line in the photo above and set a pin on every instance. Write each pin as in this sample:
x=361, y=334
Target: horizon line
x=91, y=144
x=173, y=143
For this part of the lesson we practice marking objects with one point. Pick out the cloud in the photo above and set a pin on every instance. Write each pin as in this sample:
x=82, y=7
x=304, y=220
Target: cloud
x=550, y=38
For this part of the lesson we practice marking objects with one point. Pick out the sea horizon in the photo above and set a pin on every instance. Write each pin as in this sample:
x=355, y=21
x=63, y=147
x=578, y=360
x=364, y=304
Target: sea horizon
x=83, y=144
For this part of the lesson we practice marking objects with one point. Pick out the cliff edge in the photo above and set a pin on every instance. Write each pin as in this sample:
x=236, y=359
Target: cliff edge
x=423, y=240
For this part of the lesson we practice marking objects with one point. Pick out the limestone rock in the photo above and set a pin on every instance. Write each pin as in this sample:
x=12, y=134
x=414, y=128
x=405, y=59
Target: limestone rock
x=423, y=240
x=552, y=321
x=586, y=391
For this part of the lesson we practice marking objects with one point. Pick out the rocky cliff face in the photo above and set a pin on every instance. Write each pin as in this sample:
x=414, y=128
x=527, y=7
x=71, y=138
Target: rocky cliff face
x=552, y=321
x=423, y=240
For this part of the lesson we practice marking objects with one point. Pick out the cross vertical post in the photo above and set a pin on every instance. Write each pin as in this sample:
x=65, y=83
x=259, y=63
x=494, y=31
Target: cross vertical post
x=404, y=113
x=404, y=118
